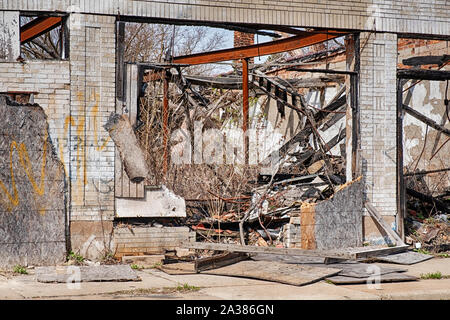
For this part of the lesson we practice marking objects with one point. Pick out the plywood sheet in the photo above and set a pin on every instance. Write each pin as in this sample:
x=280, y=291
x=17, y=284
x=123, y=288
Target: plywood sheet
x=406, y=258
x=297, y=275
x=390, y=277
x=65, y=274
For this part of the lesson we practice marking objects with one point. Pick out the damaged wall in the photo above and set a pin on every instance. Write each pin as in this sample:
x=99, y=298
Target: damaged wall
x=416, y=16
x=9, y=35
x=427, y=98
x=332, y=223
x=32, y=189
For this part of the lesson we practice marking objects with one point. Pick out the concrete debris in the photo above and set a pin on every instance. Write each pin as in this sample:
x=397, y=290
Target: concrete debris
x=131, y=153
x=74, y=274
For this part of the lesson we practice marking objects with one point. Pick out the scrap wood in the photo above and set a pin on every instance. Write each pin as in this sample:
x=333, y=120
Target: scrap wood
x=390, y=277
x=355, y=253
x=405, y=258
x=376, y=215
x=429, y=199
x=218, y=261
x=297, y=275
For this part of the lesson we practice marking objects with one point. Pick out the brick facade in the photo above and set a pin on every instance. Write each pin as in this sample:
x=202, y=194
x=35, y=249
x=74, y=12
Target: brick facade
x=409, y=16
x=378, y=114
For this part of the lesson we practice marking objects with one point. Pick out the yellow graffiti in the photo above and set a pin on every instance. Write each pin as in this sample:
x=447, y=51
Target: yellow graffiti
x=25, y=162
x=94, y=115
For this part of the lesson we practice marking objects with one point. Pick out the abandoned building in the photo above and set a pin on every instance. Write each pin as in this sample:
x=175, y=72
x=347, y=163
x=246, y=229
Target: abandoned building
x=358, y=107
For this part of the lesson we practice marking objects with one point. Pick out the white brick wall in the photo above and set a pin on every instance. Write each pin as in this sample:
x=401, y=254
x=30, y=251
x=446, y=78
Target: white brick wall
x=378, y=119
x=92, y=62
x=415, y=16
x=51, y=80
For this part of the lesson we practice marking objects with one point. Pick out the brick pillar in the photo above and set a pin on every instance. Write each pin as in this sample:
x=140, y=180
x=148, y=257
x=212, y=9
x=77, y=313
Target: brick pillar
x=92, y=79
x=242, y=39
x=378, y=121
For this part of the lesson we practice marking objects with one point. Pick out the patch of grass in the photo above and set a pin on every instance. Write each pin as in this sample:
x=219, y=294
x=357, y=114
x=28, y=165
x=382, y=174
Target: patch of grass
x=423, y=251
x=156, y=265
x=136, y=267
x=443, y=255
x=431, y=275
x=329, y=282
x=186, y=287
x=20, y=269
x=76, y=257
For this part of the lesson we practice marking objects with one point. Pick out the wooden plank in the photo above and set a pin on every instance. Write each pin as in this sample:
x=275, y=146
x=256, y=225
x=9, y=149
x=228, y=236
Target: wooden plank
x=220, y=260
x=118, y=172
x=390, y=277
x=179, y=268
x=367, y=252
x=405, y=258
x=376, y=215
x=348, y=253
x=61, y=274
x=292, y=274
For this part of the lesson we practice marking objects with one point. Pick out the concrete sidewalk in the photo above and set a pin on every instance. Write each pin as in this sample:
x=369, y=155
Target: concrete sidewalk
x=156, y=284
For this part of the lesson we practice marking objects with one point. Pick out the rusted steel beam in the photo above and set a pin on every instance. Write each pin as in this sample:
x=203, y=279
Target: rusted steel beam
x=166, y=123
x=256, y=50
x=38, y=27
x=245, y=106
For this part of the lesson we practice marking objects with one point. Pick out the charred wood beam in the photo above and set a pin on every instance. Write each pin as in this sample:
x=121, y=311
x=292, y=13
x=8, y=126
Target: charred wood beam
x=321, y=71
x=426, y=120
x=428, y=199
x=422, y=173
x=422, y=74
x=424, y=60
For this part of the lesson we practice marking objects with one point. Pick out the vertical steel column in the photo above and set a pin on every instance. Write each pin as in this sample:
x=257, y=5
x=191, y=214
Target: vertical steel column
x=245, y=106
x=166, y=122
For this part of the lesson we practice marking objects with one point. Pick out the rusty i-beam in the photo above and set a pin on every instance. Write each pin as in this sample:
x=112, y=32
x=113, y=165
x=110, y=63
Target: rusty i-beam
x=245, y=106
x=38, y=27
x=303, y=39
x=166, y=122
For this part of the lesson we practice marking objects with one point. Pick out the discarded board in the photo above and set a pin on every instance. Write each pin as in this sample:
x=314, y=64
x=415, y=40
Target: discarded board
x=376, y=215
x=292, y=274
x=86, y=274
x=406, y=258
x=179, y=268
x=362, y=270
x=390, y=277
x=349, y=268
x=218, y=261
x=347, y=253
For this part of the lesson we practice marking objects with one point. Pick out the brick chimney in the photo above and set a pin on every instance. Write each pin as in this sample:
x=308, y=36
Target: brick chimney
x=242, y=39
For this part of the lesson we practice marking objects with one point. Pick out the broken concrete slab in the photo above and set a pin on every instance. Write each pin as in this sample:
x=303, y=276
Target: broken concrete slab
x=158, y=202
x=63, y=274
x=292, y=274
x=405, y=258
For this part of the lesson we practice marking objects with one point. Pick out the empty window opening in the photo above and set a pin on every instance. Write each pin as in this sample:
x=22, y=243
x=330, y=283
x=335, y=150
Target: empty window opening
x=43, y=37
